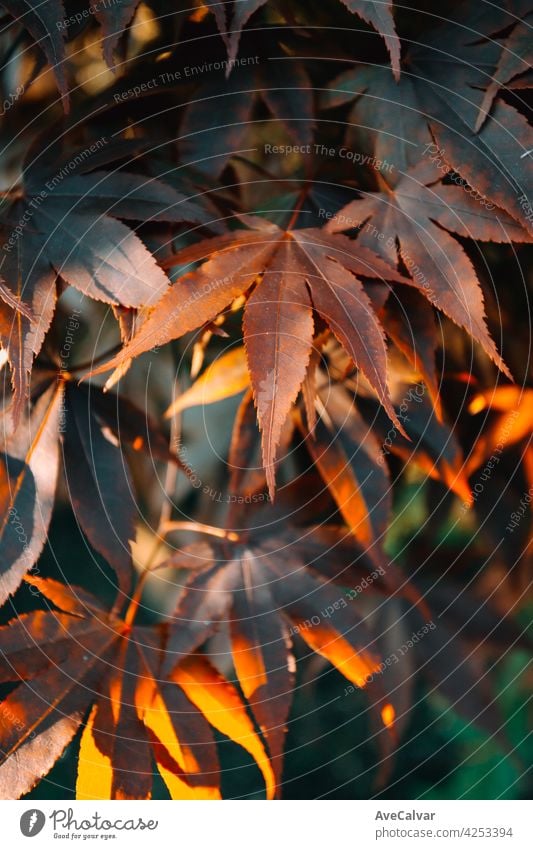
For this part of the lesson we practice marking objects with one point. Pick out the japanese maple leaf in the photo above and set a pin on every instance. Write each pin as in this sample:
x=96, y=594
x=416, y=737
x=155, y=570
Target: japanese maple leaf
x=96, y=430
x=114, y=17
x=409, y=320
x=209, y=139
x=345, y=452
x=512, y=424
x=262, y=589
x=378, y=15
x=347, y=455
x=48, y=25
x=413, y=220
x=29, y=466
x=300, y=271
x=78, y=657
x=61, y=223
x=44, y=22
x=437, y=103
x=433, y=446
x=515, y=61
x=92, y=430
x=278, y=578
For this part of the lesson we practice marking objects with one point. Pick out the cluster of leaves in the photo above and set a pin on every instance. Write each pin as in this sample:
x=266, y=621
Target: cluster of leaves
x=244, y=199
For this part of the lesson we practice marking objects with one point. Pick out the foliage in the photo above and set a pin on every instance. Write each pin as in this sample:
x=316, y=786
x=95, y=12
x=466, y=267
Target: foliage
x=292, y=237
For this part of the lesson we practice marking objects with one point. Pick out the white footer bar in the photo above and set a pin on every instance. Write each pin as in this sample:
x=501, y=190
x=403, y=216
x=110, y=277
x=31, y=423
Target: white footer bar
x=268, y=825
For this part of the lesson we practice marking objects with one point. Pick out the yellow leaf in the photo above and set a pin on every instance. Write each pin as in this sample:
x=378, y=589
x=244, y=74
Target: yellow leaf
x=513, y=424
x=388, y=715
x=95, y=773
x=219, y=702
x=356, y=666
x=336, y=471
x=154, y=713
x=249, y=665
x=226, y=377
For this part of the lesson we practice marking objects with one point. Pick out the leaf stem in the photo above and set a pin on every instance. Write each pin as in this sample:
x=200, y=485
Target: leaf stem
x=296, y=211
x=100, y=358
x=199, y=528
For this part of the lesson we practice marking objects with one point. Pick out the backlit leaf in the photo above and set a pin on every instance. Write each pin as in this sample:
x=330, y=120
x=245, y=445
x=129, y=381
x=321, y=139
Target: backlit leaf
x=28, y=475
